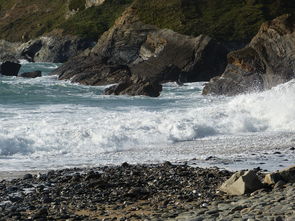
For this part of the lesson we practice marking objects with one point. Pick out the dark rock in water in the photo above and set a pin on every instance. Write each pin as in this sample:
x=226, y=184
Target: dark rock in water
x=146, y=88
x=266, y=62
x=140, y=57
x=93, y=71
x=10, y=68
x=33, y=74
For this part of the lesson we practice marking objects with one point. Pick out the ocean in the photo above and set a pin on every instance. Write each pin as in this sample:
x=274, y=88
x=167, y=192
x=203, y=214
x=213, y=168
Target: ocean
x=50, y=124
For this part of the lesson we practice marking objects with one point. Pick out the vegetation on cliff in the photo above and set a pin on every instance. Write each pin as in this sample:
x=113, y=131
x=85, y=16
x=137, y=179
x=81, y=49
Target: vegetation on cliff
x=93, y=21
x=222, y=19
x=27, y=19
x=21, y=20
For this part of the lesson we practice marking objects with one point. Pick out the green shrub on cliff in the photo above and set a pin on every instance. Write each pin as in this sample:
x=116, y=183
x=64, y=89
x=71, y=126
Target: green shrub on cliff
x=27, y=19
x=93, y=21
x=222, y=19
x=77, y=5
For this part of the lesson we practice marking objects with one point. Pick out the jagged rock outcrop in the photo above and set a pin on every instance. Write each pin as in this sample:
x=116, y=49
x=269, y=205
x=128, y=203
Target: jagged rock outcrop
x=56, y=49
x=266, y=62
x=135, y=54
x=241, y=182
x=90, y=3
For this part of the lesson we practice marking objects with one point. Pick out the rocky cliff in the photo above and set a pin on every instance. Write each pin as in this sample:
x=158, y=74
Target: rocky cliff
x=266, y=62
x=140, y=57
x=141, y=50
x=57, y=49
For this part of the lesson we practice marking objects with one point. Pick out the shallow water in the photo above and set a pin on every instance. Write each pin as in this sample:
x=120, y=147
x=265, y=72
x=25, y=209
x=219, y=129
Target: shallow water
x=49, y=124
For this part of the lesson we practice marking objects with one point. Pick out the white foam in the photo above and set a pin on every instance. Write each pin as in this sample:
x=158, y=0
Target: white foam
x=84, y=131
x=23, y=61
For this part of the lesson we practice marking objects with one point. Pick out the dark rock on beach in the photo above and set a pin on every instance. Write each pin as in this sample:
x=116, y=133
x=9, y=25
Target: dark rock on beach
x=9, y=68
x=266, y=62
x=33, y=74
x=142, y=53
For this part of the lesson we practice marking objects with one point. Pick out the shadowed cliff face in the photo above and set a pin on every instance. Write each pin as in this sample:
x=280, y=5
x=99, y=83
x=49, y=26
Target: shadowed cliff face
x=266, y=62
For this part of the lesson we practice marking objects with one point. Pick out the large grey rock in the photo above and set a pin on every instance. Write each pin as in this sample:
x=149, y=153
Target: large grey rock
x=241, y=182
x=56, y=49
x=266, y=62
x=287, y=175
x=143, y=53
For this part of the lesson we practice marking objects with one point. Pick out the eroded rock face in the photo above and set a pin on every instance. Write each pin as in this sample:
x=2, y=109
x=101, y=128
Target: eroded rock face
x=144, y=54
x=56, y=49
x=266, y=62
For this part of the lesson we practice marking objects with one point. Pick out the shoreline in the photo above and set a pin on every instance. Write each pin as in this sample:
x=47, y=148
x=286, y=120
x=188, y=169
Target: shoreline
x=10, y=175
x=135, y=192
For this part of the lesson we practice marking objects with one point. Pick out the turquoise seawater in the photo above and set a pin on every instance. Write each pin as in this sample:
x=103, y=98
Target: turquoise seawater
x=46, y=123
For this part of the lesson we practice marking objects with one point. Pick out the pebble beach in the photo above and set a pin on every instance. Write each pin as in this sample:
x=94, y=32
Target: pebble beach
x=139, y=192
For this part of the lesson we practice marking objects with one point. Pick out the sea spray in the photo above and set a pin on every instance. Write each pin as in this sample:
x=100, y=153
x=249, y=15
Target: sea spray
x=46, y=123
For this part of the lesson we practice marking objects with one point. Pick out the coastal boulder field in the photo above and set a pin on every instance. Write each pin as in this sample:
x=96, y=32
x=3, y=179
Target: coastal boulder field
x=135, y=54
x=266, y=62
